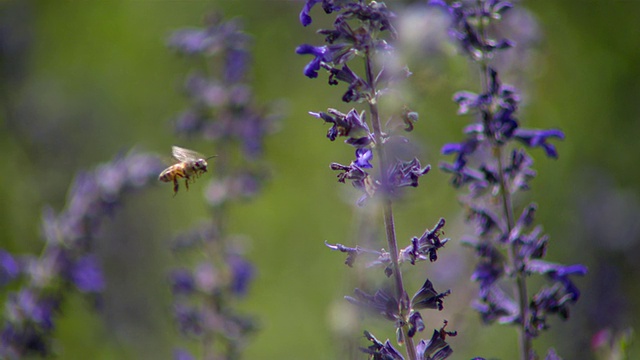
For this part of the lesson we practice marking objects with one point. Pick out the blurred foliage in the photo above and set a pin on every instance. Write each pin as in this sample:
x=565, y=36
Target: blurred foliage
x=84, y=80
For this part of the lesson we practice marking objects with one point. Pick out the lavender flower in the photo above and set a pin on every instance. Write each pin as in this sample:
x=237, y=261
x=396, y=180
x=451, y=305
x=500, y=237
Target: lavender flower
x=364, y=30
x=222, y=111
x=67, y=262
x=489, y=163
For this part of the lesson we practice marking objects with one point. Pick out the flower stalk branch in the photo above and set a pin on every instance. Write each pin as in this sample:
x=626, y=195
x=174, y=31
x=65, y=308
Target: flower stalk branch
x=362, y=29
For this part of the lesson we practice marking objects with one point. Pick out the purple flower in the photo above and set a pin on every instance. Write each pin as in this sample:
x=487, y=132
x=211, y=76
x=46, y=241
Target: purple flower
x=68, y=256
x=416, y=324
x=559, y=273
x=381, y=303
x=28, y=306
x=428, y=298
x=406, y=173
x=9, y=267
x=535, y=138
x=379, y=350
x=182, y=281
x=191, y=41
x=364, y=29
x=358, y=88
x=436, y=347
x=474, y=43
x=363, y=156
x=497, y=306
x=305, y=18
x=182, y=354
x=351, y=125
x=426, y=246
x=322, y=54
x=463, y=149
x=86, y=274
x=242, y=273
x=189, y=318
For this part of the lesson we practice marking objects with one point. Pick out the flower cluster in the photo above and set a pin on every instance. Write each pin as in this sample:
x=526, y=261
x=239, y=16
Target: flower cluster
x=363, y=31
x=67, y=262
x=214, y=271
x=490, y=164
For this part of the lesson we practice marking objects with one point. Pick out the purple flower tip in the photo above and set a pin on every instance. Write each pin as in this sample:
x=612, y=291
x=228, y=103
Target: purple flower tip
x=87, y=275
x=9, y=267
x=534, y=138
x=305, y=18
x=321, y=54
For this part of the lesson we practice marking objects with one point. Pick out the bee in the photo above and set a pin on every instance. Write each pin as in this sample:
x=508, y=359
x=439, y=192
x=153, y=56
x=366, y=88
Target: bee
x=190, y=166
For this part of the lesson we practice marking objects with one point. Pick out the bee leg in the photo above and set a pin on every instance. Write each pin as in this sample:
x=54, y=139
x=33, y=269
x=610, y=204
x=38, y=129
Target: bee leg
x=186, y=183
x=175, y=187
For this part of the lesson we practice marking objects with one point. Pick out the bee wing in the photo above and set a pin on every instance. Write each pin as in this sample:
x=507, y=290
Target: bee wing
x=182, y=154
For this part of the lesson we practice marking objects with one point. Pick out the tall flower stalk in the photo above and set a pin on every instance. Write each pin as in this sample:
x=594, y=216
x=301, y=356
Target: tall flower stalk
x=223, y=112
x=361, y=36
x=67, y=263
x=495, y=169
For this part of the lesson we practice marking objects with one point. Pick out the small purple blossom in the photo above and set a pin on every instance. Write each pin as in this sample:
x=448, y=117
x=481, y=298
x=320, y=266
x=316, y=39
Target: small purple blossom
x=534, y=138
x=351, y=125
x=182, y=281
x=363, y=156
x=9, y=267
x=320, y=53
x=182, y=354
x=86, y=274
x=436, y=347
x=406, y=173
x=190, y=319
x=428, y=298
x=426, y=246
x=470, y=39
x=379, y=350
x=328, y=5
x=381, y=303
x=242, y=273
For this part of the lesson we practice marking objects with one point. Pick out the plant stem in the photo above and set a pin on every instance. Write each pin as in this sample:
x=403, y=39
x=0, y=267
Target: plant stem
x=520, y=284
x=387, y=206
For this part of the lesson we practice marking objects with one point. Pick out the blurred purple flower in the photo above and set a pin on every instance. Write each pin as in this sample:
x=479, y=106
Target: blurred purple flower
x=182, y=354
x=381, y=303
x=406, y=173
x=534, y=138
x=86, y=274
x=9, y=267
x=242, y=273
x=68, y=257
x=182, y=281
x=428, y=298
x=379, y=350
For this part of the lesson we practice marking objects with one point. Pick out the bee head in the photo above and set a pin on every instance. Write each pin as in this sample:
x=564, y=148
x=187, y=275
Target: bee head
x=200, y=164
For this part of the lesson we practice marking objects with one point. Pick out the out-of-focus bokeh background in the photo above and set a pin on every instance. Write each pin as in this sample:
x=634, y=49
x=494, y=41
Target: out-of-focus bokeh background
x=84, y=80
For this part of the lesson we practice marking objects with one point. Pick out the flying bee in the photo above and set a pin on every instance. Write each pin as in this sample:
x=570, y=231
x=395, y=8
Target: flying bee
x=190, y=166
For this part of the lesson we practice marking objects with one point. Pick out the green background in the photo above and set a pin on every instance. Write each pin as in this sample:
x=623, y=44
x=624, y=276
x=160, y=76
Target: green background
x=84, y=80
